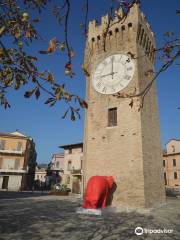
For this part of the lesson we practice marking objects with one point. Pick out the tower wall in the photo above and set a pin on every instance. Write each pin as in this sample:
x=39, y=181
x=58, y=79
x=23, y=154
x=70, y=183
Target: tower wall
x=130, y=152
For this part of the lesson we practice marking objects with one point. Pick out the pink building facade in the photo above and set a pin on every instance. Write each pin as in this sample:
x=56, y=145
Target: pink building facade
x=57, y=162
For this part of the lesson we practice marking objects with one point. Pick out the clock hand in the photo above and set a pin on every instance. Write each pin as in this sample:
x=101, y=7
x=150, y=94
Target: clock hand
x=106, y=75
x=112, y=73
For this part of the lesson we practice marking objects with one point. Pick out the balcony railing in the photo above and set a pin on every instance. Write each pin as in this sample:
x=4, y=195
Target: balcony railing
x=76, y=171
x=10, y=170
x=10, y=151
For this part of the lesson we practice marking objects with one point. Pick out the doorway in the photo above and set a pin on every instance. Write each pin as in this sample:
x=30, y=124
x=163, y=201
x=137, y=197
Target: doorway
x=5, y=182
x=76, y=185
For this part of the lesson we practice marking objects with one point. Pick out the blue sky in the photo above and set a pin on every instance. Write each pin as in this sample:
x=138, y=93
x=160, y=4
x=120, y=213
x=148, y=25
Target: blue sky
x=44, y=124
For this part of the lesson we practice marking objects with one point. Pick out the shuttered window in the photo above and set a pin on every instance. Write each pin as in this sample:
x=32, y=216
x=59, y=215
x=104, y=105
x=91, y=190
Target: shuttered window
x=2, y=144
x=112, y=117
x=19, y=146
x=175, y=175
x=174, y=162
x=17, y=163
x=1, y=162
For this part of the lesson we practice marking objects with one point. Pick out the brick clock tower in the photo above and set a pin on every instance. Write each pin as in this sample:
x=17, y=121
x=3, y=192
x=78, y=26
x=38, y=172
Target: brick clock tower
x=121, y=141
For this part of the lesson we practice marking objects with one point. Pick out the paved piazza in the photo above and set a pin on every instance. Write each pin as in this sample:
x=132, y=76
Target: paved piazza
x=34, y=216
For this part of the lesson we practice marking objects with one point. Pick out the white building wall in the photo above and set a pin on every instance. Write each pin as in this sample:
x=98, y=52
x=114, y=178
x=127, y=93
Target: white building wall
x=173, y=146
x=14, y=182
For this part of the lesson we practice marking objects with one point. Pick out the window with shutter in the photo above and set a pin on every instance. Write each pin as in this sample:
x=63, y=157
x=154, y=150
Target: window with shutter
x=17, y=163
x=1, y=162
x=19, y=146
x=2, y=144
x=112, y=117
x=174, y=162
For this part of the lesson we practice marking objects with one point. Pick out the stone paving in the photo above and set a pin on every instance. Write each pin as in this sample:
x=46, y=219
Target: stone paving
x=34, y=216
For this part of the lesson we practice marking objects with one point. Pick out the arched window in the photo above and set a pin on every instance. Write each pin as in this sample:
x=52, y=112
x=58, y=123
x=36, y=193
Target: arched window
x=144, y=40
x=110, y=33
x=139, y=32
x=123, y=27
x=141, y=37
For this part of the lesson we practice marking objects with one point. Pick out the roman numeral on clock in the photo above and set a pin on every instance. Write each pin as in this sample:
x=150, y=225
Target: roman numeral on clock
x=129, y=68
x=127, y=77
x=104, y=90
x=98, y=85
x=113, y=89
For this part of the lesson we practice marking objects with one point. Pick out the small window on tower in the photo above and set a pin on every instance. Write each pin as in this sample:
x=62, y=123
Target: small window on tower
x=173, y=148
x=112, y=117
x=2, y=144
x=174, y=162
x=164, y=163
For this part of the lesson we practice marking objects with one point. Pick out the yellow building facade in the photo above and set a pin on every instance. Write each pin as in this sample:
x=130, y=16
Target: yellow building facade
x=72, y=175
x=171, y=163
x=17, y=161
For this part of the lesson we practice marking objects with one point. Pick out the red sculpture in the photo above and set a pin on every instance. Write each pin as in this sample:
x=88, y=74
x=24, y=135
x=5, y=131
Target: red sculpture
x=97, y=192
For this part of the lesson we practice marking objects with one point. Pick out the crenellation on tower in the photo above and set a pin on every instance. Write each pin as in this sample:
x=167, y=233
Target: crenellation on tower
x=135, y=25
x=104, y=21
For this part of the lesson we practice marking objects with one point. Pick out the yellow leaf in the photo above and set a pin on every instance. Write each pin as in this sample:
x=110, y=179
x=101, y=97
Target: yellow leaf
x=52, y=45
x=28, y=34
x=41, y=74
x=17, y=33
x=50, y=77
x=2, y=30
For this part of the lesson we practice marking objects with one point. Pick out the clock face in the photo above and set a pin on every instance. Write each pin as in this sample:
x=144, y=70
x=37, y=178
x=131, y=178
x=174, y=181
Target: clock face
x=113, y=74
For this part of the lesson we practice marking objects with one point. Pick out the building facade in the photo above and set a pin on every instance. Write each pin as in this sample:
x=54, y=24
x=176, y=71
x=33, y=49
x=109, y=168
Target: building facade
x=171, y=163
x=57, y=162
x=17, y=161
x=73, y=176
x=120, y=140
x=40, y=174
